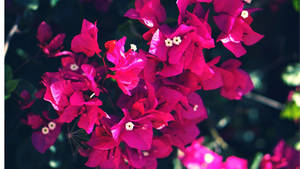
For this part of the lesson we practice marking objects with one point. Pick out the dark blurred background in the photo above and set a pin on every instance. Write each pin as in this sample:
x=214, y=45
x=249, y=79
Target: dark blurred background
x=250, y=126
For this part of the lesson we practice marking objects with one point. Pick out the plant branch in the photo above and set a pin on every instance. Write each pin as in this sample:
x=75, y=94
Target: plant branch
x=219, y=140
x=265, y=100
x=11, y=33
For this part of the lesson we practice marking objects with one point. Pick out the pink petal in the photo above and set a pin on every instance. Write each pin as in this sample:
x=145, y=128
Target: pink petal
x=140, y=137
x=69, y=114
x=44, y=32
x=42, y=142
x=157, y=46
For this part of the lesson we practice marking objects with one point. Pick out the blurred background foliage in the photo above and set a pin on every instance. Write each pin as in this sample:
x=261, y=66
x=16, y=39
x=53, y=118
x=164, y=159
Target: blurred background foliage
x=246, y=128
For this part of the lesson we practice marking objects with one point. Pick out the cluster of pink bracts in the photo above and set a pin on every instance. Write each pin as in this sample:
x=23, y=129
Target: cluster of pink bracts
x=160, y=106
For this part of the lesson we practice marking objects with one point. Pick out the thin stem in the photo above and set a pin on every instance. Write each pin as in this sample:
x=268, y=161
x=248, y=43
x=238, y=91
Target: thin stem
x=265, y=100
x=219, y=140
x=11, y=33
x=26, y=62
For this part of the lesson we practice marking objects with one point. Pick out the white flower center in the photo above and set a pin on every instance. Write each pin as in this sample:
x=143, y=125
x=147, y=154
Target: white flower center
x=195, y=108
x=208, y=158
x=129, y=126
x=45, y=130
x=133, y=47
x=177, y=40
x=51, y=125
x=74, y=67
x=168, y=42
x=245, y=14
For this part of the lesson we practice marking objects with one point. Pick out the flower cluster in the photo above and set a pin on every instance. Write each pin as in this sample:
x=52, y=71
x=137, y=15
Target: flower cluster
x=283, y=156
x=198, y=156
x=159, y=107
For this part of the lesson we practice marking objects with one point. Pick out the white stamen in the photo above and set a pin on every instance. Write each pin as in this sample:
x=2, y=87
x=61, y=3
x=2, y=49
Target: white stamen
x=125, y=160
x=74, y=67
x=229, y=38
x=208, y=158
x=177, y=40
x=233, y=40
x=133, y=47
x=195, y=108
x=129, y=126
x=148, y=23
x=168, y=42
x=51, y=125
x=92, y=95
x=225, y=40
x=244, y=14
x=161, y=127
x=146, y=153
x=45, y=130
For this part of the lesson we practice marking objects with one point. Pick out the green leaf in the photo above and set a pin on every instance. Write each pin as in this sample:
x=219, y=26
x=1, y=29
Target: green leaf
x=29, y=4
x=291, y=76
x=22, y=53
x=177, y=164
x=53, y=3
x=257, y=159
x=296, y=5
x=8, y=73
x=7, y=96
x=291, y=111
x=11, y=85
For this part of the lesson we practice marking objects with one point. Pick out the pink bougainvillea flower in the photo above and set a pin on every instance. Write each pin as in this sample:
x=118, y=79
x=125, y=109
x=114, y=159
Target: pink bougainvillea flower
x=108, y=159
x=198, y=156
x=137, y=133
x=140, y=159
x=86, y=41
x=233, y=162
x=170, y=47
x=163, y=48
x=236, y=29
x=33, y=120
x=44, y=139
x=236, y=82
x=283, y=156
x=44, y=32
x=57, y=93
x=168, y=44
x=215, y=81
x=89, y=112
x=149, y=12
x=61, y=85
x=26, y=100
x=47, y=130
x=181, y=134
x=90, y=72
x=127, y=65
x=230, y=7
x=160, y=148
x=102, y=139
x=191, y=108
x=54, y=47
